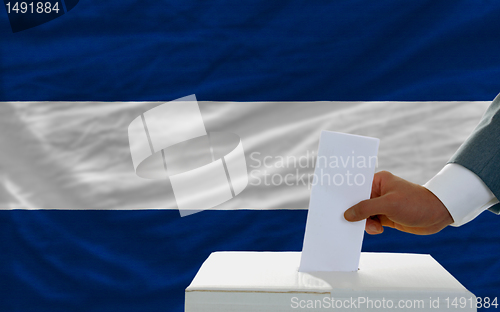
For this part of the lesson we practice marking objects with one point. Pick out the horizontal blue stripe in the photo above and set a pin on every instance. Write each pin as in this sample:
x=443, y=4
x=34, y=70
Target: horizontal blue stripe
x=143, y=260
x=257, y=51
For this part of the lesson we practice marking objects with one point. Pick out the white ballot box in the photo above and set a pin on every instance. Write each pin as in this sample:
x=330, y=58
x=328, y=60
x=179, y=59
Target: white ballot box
x=271, y=282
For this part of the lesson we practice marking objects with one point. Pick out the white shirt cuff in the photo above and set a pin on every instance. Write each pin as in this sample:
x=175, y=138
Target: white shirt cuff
x=462, y=192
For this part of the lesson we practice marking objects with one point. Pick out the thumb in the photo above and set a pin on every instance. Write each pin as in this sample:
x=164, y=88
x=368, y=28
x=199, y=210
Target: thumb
x=366, y=208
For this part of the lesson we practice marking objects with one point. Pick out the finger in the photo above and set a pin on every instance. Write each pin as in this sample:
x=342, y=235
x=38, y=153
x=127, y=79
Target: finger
x=379, y=180
x=376, y=192
x=367, y=208
x=386, y=221
x=408, y=229
x=373, y=226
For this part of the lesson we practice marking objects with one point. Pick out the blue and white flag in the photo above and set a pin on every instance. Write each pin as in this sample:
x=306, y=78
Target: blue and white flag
x=84, y=227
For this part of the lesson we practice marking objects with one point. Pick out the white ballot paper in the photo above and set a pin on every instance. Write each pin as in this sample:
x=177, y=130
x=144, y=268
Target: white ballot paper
x=343, y=176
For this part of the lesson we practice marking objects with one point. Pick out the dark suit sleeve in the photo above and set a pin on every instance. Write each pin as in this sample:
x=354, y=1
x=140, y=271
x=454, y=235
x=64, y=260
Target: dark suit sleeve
x=480, y=153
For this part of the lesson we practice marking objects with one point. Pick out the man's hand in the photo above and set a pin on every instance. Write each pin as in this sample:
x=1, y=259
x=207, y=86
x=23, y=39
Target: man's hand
x=402, y=205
